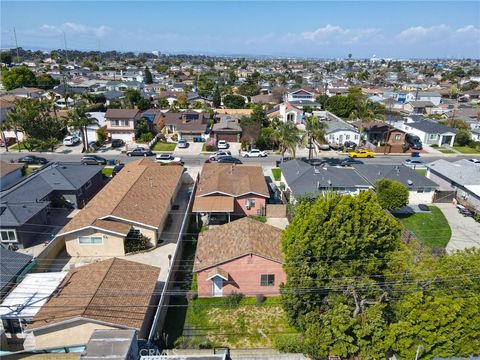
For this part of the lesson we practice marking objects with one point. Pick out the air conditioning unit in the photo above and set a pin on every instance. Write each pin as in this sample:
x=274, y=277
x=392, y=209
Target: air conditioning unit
x=248, y=206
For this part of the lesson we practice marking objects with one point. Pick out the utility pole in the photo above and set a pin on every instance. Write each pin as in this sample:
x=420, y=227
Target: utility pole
x=65, y=44
x=16, y=44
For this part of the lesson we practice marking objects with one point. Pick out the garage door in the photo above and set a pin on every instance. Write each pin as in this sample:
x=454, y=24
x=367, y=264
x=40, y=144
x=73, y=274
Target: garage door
x=125, y=136
x=227, y=137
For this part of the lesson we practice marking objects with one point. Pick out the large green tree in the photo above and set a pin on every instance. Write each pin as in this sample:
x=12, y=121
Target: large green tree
x=234, y=101
x=392, y=195
x=79, y=119
x=17, y=77
x=287, y=136
x=148, y=76
x=335, y=256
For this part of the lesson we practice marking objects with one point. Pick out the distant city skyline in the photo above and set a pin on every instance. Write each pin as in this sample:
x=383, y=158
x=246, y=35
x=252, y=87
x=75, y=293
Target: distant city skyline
x=320, y=29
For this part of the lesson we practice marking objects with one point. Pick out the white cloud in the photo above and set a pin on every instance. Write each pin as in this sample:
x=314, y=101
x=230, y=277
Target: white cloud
x=74, y=28
x=438, y=33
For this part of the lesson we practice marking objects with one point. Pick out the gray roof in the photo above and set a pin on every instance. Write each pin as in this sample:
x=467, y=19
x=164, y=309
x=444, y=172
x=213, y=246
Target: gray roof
x=298, y=103
x=431, y=127
x=429, y=94
x=114, y=344
x=421, y=103
x=400, y=173
x=335, y=125
x=462, y=172
x=11, y=264
x=303, y=178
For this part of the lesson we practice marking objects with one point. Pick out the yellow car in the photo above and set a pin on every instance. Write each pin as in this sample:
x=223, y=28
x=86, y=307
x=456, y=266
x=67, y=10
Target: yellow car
x=361, y=153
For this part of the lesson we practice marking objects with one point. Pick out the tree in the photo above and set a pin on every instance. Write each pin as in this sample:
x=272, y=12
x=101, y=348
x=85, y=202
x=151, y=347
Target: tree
x=19, y=117
x=234, y=101
x=6, y=57
x=17, y=77
x=162, y=103
x=46, y=82
x=391, y=194
x=288, y=137
x=79, y=120
x=148, y=76
x=335, y=254
x=102, y=136
x=143, y=104
x=133, y=96
x=315, y=132
x=258, y=115
x=463, y=137
x=217, y=99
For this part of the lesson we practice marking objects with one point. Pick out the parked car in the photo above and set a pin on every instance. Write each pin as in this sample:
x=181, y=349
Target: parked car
x=140, y=151
x=217, y=154
x=32, y=159
x=313, y=161
x=71, y=140
x=228, y=160
x=415, y=163
x=8, y=140
x=324, y=147
x=254, y=153
x=475, y=161
x=117, y=169
x=182, y=144
x=413, y=141
x=117, y=143
x=93, y=160
x=362, y=153
x=334, y=146
x=349, y=145
x=350, y=161
x=92, y=146
x=168, y=159
x=222, y=144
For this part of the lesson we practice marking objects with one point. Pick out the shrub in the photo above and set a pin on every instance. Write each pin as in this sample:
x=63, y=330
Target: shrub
x=391, y=194
x=260, y=298
x=434, y=145
x=101, y=136
x=145, y=138
x=262, y=219
x=463, y=137
x=291, y=343
x=477, y=217
x=174, y=137
x=136, y=242
x=210, y=145
x=233, y=299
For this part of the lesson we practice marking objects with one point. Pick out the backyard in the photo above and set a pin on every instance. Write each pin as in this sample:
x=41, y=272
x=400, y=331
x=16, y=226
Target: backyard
x=430, y=228
x=163, y=146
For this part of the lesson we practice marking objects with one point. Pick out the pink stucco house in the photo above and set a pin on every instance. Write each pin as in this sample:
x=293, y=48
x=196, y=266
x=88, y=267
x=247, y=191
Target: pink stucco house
x=243, y=256
x=121, y=123
x=230, y=191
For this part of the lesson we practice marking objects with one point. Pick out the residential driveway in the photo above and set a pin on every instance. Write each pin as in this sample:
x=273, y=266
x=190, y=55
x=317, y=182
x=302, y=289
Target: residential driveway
x=194, y=148
x=465, y=230
x=77, y=149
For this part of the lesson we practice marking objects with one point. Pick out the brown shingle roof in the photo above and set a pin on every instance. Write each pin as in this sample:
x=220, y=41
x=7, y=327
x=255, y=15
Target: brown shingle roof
x=121, y=113
x=6, y=167
x=213, y=204
x=141, y=192
x=233, y=180
x=241, y=237
x=115, y=291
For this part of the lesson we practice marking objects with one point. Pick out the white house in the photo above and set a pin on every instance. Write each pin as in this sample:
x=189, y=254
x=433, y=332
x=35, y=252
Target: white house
x=286, y=112
x=338, y=131
x=299, y=94
x=429, y=131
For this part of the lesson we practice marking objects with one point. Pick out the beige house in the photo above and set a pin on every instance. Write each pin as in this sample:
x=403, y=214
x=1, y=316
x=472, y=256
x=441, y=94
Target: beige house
x=135, y=202
x=109, y=294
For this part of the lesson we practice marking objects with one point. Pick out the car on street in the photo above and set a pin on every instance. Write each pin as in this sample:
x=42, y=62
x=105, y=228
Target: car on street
x=93, y=160
x=361, y=153
x=228, y=160
x=71, y=140
x=334, y=146
x=117, y=143
x=324, y=147
x=222, y=144
x=475, y=161
x=168, y=159
x=217, y=154
x=182, y=144
x=32, y=159
x=413, y=141
x=254, y=153
x=350, y=161
x=140, y=151
x=415, y=163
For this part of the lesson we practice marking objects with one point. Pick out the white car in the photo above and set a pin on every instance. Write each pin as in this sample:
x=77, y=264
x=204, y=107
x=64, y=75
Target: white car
x=415, y=164
x=222, y=144
x=71, y=140
x=168, y=159
x=475, y=161
x=254, y=153
x=217, y=154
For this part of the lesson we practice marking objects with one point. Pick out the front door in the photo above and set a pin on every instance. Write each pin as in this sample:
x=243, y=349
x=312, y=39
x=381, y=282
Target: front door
x=340, y=140
x=217, y=286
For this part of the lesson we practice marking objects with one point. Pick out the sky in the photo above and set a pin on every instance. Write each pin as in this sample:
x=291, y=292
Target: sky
x=320, y=29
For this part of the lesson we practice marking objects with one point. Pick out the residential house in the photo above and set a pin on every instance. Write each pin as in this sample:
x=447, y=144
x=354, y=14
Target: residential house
x=302, y=179
x=263, y=99
x=135, y=202
x=434, y=96
x=189, y=125
x=429, y=131
x=121, y=123
x=5, y=106
x=381, y=134
x=26, y=208
x=171, y=96
x=115, y=294
x=243, y=256
x=14, y=265
x=419, y=107
x=10, y=173
x=461, y=178
x=27, y=92
x=286, y=112
x=21, y=305
x=301, y=98
x=225, y=191
x=339, y=131
x=228, y=128
x=420, y=189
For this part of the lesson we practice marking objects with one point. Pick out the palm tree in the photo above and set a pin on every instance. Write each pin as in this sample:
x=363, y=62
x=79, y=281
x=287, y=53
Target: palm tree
x=3, y=127
x=287, y=134
x=17, y=116
x=79, y=119
x=314, y=131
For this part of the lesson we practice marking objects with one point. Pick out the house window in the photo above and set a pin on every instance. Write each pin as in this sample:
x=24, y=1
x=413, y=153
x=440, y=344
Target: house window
x=120, y=122
x=90, y=240
x=331, y=137
x=347, y=137
x=267, y=280
x=8, y=236
x=290, y=117
x=420, y=190
x=249, y=203
x=397, y=137
x=356, y=137
x=433, y=137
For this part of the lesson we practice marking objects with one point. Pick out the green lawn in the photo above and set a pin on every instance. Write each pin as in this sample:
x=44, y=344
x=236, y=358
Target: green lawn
x=446, y=151
x=107, y=171
x=209, y=322
x=431, y=228
x=161, y=146
x=422, y=171
x=15, y=147
x=276, y=173
x=466, y=150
